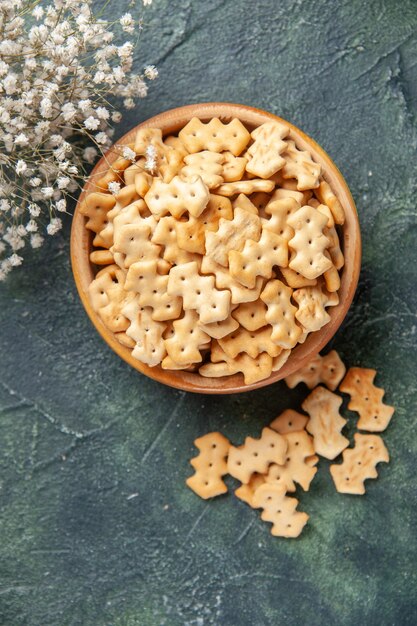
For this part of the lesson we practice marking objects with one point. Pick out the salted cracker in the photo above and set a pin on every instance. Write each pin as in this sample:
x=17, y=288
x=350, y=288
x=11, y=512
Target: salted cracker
x=279, y=509
x=325, y=423
x=245, y=491
x=312, y=303
x=253, y=370
x=96, y=207
x=147, y=335
x=295, y=279
x=366, y=399
x=165, y=234
x=257, y=258
x=281, y=314
x=359, y=464
x=208, y=165
x=101, y=257
x=255, y=455
x=177, y=197
x=289, y=421
x=233, y=167
x=214, y=136
x=326, y=196
x=231, y=235
x=300, y=165
x=252, y=342
x=133, y=242
x=217, y=330
x=251, y=315
x=298, y=467
x=191, y=234
x=309, y=242
x=265, y=154
x=243, y=202
x=239, y=293
x=143, y=278
x=184, y=345
x=245, y=186
x=328, y=369
x=210, y=466
x=279, y=211
x=199, y=293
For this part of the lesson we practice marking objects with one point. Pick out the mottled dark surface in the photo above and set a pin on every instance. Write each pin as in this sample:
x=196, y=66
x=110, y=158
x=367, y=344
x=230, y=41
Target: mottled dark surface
x=96, y=525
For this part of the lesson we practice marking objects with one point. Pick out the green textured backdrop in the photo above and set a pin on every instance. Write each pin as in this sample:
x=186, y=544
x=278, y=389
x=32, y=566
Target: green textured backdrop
x=81, y=432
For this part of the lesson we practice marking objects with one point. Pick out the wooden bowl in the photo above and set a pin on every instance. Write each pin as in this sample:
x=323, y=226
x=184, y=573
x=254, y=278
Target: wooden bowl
x=171, y=122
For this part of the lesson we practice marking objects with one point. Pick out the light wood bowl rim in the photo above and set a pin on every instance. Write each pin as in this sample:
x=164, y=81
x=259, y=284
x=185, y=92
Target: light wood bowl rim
x=170, y=122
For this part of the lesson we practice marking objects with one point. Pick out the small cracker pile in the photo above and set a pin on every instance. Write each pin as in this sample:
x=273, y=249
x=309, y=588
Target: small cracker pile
x=219, y=248
x=287, y=452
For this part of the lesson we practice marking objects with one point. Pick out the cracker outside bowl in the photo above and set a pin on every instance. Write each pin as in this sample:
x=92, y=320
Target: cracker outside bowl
x=171, y=122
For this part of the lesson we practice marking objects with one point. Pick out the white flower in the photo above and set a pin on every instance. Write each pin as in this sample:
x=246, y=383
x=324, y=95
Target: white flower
x=45, y=108
x=114, y=187
x=5, y=206
x=21, y=140
x=54, y=226
x=91, y=123
x=10, y=84
x=147, y=3
x=15, y=260
x=126, y=50
x=61, y=206
x=4, y=68
x=127, y=23
x=68, y=111
x=56, y=140
x=101, y=138
x=35, y=182
x=38, y=13
x=31, y=226
x=116, y=117
x=151, y=72
x=129, y=154
x=34, y=209
x=102, y=113
x=36, y=241
x=150, y=163
x=47, y=192
x=90, y=154
x=118, y=74
x=13, y=238
x=129, y=103
x=84, y=105
x=63, y=182
x=21, y=167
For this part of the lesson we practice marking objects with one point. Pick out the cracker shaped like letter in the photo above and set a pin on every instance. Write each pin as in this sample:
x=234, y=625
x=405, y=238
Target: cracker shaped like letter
x=210, y=465
x=177, y=197
x=199, y=293
x=309, y=242
x=255, y=455
x=325, y=422
x=231, y=235
x=265, y=154
x=328, y=369
x=280, y=510
x=366, y=399
x=281, y=314
x=299, y=463
x=359, y=464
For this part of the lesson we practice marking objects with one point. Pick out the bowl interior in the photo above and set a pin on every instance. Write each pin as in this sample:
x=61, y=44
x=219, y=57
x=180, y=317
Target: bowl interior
x=170, y=122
